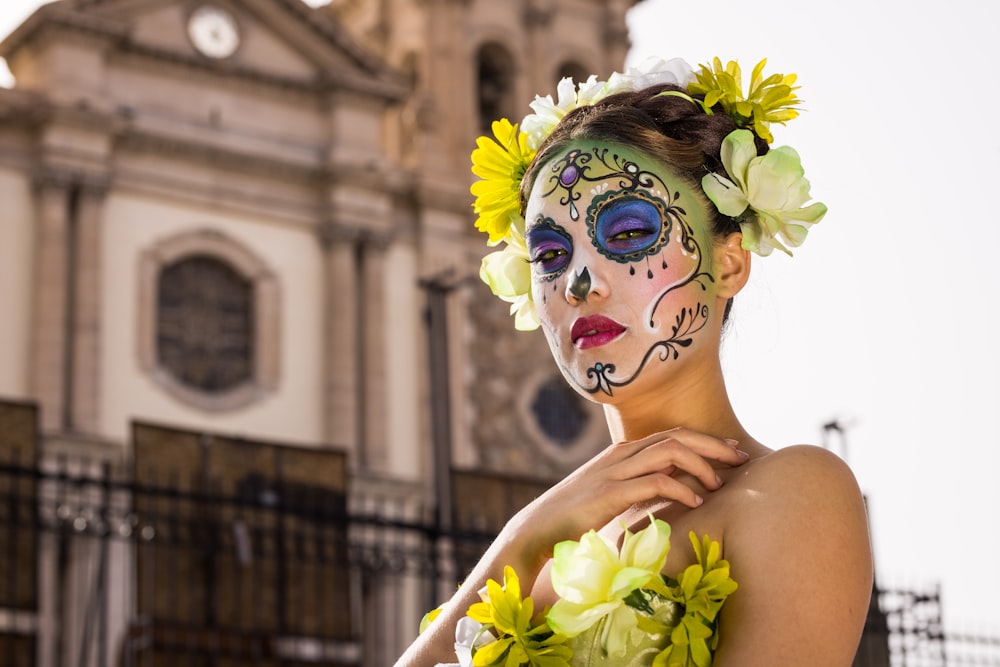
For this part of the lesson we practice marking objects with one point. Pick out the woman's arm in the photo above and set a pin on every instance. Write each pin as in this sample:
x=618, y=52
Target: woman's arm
x=604, y=487
x=799, y=547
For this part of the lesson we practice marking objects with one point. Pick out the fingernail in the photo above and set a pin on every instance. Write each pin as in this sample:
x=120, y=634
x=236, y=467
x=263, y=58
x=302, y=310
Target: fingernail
x=698, y=500
x=743, y=455
x=731, y=442
x=718, y=480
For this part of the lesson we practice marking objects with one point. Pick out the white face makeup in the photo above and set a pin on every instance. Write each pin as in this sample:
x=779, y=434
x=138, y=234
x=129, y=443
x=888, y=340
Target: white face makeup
x=618, y=274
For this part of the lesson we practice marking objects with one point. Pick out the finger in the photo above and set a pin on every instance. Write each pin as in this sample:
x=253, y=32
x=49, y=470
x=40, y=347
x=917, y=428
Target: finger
x=708, y=446
x=656, y=485
x=665, y=456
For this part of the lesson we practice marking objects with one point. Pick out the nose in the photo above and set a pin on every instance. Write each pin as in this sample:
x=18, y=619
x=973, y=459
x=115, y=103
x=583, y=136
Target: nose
x=579, y=285
x=582, y=285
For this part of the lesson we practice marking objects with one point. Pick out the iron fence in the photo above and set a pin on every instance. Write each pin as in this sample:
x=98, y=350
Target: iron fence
x=221, y=564
x=97, y=570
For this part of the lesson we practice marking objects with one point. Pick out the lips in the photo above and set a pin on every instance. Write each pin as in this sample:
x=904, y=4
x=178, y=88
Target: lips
x=594, y=331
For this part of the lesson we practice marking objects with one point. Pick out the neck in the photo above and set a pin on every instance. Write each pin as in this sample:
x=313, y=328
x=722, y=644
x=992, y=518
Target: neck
x=699, y=402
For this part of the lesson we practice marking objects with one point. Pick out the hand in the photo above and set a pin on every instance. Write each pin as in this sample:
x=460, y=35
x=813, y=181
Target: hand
x=622, y=475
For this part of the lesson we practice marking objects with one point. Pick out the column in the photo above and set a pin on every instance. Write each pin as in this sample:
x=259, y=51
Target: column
x=49, y=355
x=616, y=39
x=373, y=377
x=340, y=354
x=85, y=328
x=537, y=19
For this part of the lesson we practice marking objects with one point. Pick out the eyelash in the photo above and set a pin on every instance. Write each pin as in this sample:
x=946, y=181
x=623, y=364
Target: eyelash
x=549, y=248
x=542, y=257
x=628, y=234
x=638, y=221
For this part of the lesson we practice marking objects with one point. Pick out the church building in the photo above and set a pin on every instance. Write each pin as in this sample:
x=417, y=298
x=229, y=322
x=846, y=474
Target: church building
x=249, y=221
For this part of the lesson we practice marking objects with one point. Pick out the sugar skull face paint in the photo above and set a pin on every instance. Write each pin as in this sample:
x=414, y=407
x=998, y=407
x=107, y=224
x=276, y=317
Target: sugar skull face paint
x=618, y=273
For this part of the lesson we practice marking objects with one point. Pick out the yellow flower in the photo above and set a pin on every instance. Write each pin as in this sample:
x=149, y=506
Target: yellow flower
x=429, y=617
x=519, y=641
x=593, y=580
x=770, y=100
x=702, y=589
x=500, y=163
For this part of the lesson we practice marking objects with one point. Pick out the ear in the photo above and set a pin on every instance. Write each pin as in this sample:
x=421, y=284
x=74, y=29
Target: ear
x=732, y=265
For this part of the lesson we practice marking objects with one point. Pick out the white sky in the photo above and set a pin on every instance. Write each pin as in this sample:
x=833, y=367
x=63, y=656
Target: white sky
x=886, y=319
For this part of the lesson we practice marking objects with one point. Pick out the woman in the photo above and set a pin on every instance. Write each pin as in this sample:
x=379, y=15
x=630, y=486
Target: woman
x=640, y=201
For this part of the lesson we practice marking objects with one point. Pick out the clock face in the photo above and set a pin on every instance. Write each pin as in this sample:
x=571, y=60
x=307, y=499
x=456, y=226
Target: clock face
x=213, y=31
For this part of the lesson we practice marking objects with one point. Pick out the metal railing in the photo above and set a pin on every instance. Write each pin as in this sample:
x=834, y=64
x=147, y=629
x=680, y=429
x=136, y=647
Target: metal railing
x=104, y=564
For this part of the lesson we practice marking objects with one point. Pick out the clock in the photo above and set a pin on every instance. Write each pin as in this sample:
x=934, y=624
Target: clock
x=213, y=31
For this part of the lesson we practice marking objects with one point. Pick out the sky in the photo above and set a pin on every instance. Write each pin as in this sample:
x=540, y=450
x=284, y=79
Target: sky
x=885, y=320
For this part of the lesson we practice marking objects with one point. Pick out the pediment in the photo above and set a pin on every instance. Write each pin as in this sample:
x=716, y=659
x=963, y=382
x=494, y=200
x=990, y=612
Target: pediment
x=284, y=41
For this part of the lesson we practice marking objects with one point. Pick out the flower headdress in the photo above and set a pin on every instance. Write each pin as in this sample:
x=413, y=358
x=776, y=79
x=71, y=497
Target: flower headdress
x=765, y=194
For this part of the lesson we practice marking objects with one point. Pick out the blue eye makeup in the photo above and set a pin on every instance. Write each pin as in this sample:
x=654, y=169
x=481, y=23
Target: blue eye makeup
x=627, y=226
x=549, y=248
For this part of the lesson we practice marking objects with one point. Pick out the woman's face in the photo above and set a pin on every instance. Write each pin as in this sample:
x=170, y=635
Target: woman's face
x=621, y=252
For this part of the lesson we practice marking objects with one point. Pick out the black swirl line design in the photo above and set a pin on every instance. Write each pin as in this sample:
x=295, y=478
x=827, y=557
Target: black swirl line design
x=690, y=245
x=576, y=166
x=688, y=322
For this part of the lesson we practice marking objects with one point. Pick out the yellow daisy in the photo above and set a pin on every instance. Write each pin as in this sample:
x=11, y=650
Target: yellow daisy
x=500, y=163
x=770, y=100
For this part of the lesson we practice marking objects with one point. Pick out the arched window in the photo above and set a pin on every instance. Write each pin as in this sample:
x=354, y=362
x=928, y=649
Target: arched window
x=209, y=321
x=495, y=83
x=573, y=70
x=205, y=324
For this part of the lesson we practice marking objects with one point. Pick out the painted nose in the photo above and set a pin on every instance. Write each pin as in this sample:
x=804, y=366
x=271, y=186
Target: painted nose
x=579, y=285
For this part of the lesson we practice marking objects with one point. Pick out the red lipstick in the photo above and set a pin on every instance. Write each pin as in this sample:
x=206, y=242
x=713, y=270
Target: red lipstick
x=594, y=331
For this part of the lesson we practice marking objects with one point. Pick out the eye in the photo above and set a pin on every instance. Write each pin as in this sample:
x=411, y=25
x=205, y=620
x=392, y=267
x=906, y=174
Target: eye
x=548, y=249
x=626, y=227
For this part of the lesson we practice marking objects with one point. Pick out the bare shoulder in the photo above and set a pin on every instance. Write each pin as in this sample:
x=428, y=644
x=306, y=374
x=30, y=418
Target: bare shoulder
x=797, y=541
x=805, y=471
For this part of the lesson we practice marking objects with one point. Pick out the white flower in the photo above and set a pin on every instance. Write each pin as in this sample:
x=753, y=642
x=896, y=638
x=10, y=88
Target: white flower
x=650, y=72
x=593, y=579
x=655, y=71
x=508, y=274
x=540, y=124
x=469, y=635
x=772, y=185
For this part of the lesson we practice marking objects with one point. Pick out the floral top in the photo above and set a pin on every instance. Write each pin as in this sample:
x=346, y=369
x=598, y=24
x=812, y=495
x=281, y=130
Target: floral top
x=615, y=607
x=641, y=649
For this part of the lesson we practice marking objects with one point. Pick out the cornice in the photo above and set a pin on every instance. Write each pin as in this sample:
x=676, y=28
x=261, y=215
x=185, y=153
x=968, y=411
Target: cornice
x=325, y=82
x=62, y=16
x=377, y=177
x=372, y=77
x=328, y=28
x=24, y=106
x=334, y=232
x=173, y=147
x=62, y=178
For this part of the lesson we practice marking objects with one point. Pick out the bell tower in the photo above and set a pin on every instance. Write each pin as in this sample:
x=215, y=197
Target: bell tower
x=471, y=62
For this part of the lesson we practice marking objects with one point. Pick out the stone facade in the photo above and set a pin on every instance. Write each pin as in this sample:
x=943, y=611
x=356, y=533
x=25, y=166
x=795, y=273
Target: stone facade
x=327, y=155
x=322, y=154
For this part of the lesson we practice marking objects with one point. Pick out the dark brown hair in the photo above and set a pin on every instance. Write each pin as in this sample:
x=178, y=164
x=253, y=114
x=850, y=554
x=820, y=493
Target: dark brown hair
x=672, y=129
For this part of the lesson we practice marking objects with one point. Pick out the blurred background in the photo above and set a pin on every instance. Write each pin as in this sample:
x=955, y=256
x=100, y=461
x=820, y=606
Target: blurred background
x=255, y=406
